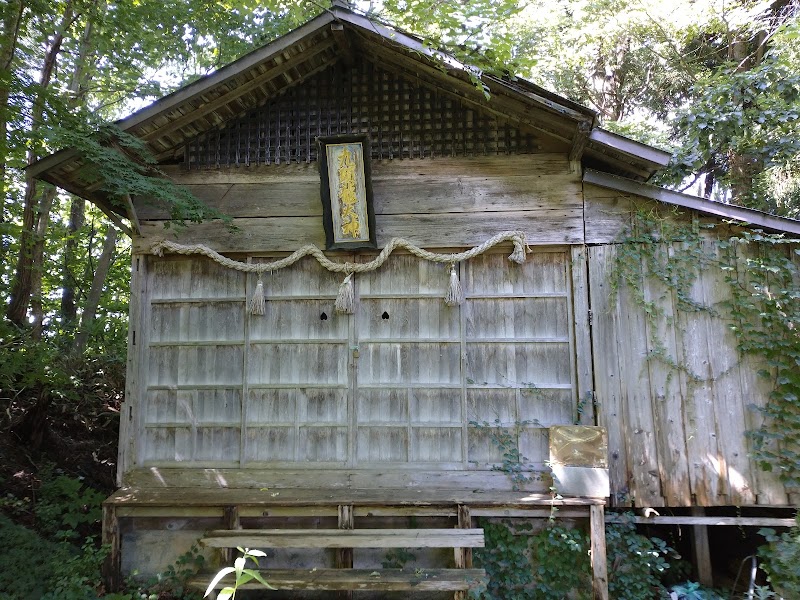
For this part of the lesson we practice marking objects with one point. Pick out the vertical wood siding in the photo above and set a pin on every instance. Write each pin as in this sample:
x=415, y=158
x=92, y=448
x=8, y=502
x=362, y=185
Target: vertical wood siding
x=677, y=436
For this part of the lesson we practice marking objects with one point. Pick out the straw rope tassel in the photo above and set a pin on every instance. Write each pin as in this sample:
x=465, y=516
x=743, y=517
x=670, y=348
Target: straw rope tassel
x=455, y=293
x=345, y=301
x=520, y=249
x=257, y=303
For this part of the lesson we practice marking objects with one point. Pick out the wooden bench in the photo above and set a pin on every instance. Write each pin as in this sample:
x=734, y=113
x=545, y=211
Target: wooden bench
x=188, y=500
x=347, y=578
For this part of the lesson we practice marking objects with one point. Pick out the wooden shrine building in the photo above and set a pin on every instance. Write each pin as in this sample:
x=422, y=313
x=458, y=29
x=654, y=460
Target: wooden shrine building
x=329, y=401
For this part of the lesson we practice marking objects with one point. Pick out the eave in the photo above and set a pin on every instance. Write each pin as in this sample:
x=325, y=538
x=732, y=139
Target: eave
x=731, y=212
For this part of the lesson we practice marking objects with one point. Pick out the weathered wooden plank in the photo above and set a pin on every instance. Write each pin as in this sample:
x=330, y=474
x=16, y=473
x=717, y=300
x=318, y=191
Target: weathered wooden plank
x=386, y=580
x=177, y=277
x=400, y=362
x=724, y=358
x=345, y=538
x=515, y=318
x=703, y=520
x=218, y=322
x=608, y=214
x=611, y=412
x=701, y=551
x=268, y=496
x=635, y=388
x=293, y=364
x=519, y=364
x=699, y=416
x=665, y=396
x=597, y=539
x=133, y=387
x=281, y=234
x=298, y=319
x=755, y=391
x=541, y=273
x=195, y=365
x=421, y=195
x=584, y=373
x=112, y=539
x=540, y=164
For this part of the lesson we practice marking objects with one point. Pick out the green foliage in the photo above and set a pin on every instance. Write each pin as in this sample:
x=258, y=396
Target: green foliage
x=667, y=252
x=506, y=558
x=172, y=583
x=553, y=563
x=752, y=113
x=562, y=566
x=25, y=560
x=781, y=559
x=65, y=503
x=243, y=575
x=691, y=590
x=636, y=563
x=122, y=165
x=77, y=576
x=765, y=306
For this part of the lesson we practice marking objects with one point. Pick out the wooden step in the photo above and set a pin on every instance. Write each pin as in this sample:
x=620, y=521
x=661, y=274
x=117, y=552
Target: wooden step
x=388, y=580
x=345, y=538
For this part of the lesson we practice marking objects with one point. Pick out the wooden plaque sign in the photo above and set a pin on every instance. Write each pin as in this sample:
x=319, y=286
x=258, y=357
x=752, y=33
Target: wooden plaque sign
x=346, y=190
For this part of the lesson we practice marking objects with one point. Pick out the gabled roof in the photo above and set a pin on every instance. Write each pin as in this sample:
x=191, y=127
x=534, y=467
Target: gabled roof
x=336, y=34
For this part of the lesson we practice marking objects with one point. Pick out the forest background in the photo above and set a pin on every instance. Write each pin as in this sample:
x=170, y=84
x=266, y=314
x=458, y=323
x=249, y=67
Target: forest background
x=716, y=82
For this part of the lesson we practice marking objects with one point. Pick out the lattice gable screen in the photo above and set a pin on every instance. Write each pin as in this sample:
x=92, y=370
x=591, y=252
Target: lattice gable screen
x=404, y=119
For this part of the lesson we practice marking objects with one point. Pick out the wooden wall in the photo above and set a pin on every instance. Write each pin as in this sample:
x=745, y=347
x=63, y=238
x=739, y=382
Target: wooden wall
x=436, y=203
x=674, y=393
x=220, y=388
x=394, y=386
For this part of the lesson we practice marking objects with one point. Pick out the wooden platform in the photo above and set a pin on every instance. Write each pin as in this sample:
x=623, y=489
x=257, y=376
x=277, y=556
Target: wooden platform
x=228, y=506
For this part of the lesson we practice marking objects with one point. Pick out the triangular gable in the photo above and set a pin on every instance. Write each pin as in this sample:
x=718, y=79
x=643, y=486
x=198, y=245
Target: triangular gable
x=404, y=118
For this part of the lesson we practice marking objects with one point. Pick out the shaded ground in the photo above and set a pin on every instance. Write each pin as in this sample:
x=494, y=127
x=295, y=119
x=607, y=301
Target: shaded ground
x=73, y=433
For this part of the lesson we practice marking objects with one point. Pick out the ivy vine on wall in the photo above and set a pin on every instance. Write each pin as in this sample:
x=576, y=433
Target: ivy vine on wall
x=763, y=311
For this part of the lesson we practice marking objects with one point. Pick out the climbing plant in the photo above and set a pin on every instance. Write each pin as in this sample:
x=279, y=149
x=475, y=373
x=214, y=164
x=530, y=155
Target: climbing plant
x=763, y=312
x=762, y=271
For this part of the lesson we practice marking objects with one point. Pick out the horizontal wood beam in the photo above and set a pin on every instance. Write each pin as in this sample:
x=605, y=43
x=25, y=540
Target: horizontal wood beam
x=386, y=580
x=343, y=538
x=692, y=520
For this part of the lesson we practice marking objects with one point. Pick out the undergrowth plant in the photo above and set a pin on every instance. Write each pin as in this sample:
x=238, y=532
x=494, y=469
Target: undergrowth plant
x=553, y=563
x=781, y=559
x=242, y=575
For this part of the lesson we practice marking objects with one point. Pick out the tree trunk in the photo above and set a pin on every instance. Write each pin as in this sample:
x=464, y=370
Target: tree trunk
x=37, y=310
x=77, y=218
x=12, y=19
x=78, y=86
x=24, y=276
x=93, y=299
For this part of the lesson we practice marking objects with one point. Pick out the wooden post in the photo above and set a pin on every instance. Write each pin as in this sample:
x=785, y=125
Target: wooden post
x=230, y=517
x=112, y=572
x=701, y=552
x=344, y=556
x=463, y=556
x=597, y=528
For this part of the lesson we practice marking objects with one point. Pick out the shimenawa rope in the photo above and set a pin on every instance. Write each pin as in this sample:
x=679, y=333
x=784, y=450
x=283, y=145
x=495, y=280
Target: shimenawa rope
x=345, y=301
